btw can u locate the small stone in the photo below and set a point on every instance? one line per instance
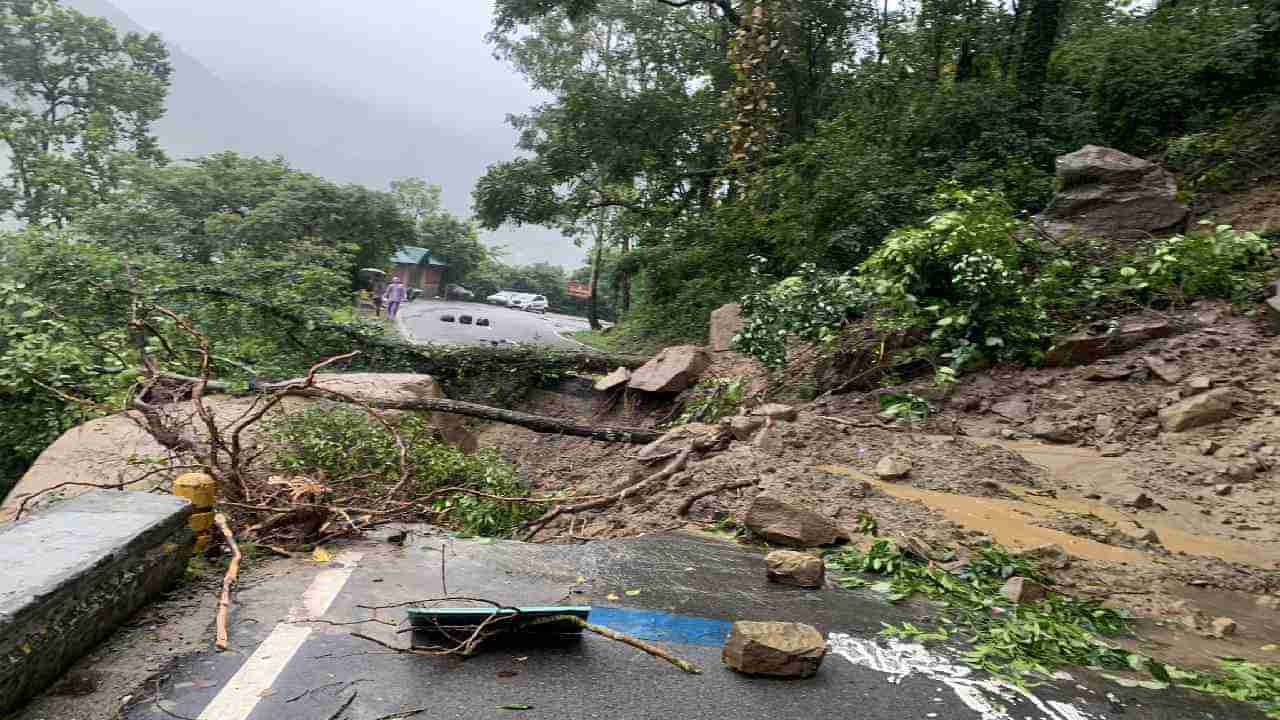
(1047, 430)
(1143, 536)
(777, 649)
(893, 467)
(1208, 447)
(1197, 410)
(1241, 472)
(1015, 410)
(789, 567)
(1020, 590)
(1199, 383)
(1222, 490)
(1103, 425)
(744, 427)
(1270, 602)
(1222, 627)
(1113, 449)
(1166, 371)
(777, 411)
(1139, 500)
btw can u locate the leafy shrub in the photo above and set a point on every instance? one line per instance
(342, 444)
(811, 307)
(713, 398)
(959, 273)
(1214, 262)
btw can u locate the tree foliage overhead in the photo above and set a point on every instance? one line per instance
(805, 132)
(77, 102)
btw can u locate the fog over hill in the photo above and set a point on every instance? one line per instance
(356, 92)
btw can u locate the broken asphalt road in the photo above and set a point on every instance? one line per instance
(689, 589)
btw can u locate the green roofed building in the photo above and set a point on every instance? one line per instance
(418, 270)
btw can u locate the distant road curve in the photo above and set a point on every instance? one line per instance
(420, 322)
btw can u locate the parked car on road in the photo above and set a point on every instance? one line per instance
(501, 298)
(518, 300)
(457, 292)
(537, 305)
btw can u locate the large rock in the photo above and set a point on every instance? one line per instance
(783, 523)
(789, 567)
(778, 649)
(1084, 348)
(672, 370)
(726, 322)
(108, 450)
(1197, 410)
(617, 378)
(1107, 193)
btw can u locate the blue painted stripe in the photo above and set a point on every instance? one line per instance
(662, 626)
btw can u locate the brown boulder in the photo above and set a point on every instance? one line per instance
(1203, 409)
(617, 378)
(1015, 409)
(1107, 193)
(777, 649)
(789, 567)
(780, 522)
(726, 322)
(1083, 348)
(672, 370)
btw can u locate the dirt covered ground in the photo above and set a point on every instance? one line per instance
(1179, 528)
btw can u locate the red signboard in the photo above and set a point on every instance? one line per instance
(579, 290)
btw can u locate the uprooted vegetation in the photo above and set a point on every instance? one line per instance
(1029, 633)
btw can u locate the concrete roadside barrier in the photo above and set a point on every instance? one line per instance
(74, 571)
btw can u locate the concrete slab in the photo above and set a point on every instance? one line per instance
(74, 571)
(678, 590)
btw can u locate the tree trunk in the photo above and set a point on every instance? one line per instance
(624, 282)
(593, 312)
(1037, 46)
(537, 423)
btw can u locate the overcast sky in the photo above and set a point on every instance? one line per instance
(421, 66)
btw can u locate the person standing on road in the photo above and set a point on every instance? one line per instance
(393, 297)
(378, 291)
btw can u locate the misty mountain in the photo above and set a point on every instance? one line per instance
(334, 132)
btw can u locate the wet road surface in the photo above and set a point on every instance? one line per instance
(689, 589)
(421, 322)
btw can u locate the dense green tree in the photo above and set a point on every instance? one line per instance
(219, 205)
(78, 105)
(450, 238)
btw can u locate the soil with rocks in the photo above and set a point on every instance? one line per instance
(1074, 464)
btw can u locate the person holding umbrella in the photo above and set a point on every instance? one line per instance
(394, 295)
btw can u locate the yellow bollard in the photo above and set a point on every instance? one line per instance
(201, 490)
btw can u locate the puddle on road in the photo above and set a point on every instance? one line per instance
(1008, 522)
(1012, 522)
(1177, 528)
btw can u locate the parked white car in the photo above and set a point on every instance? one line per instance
(501, 298)
(518, 301)
(537, 305)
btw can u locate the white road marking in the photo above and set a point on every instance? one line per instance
(243, 691)
(990, 699)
